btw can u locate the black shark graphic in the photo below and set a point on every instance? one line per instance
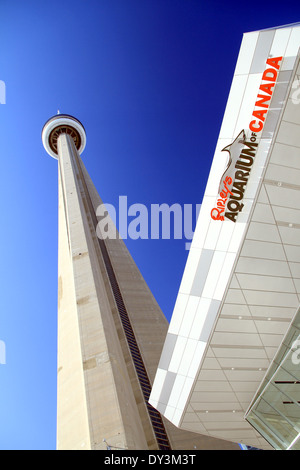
(234, 149)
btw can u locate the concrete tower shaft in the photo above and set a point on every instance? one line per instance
(110, 327)
(103, 383)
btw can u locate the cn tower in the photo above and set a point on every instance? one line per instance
(110, 328)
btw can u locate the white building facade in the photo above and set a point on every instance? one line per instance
(240, 291)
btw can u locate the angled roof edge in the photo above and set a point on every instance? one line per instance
(291, 25)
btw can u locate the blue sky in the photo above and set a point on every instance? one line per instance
(149, 79)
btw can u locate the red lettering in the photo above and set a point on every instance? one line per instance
(255, 129)
(255, 126)
(274, 62)
(269, 75)
(260, 114)
(261, 102)
(216, 214)
(267, 88)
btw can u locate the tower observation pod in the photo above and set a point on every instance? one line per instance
(111, 330)
(63, 124)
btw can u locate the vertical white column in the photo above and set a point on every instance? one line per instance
(111, 409)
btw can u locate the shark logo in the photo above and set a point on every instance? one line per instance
(234, 150)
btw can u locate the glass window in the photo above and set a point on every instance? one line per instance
(275, 412)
